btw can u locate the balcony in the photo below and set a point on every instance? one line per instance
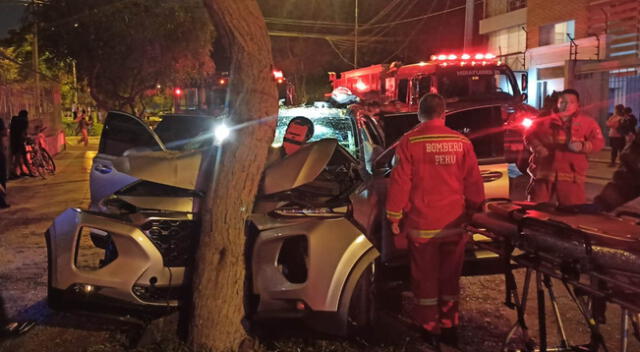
(500, 7)
(503, 14)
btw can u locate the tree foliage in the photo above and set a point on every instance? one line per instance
(123, 48)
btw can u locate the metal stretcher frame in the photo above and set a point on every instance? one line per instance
(590, 286)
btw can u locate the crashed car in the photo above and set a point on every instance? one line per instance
(315, 234)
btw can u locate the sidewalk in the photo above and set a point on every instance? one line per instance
(35, 202)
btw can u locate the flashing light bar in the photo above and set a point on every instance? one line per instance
(450, 57)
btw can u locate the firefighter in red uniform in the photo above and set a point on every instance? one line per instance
(560, 144)
(433, 186)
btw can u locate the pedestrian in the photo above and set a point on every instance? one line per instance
(625, 184)
(433, 186)
(559, 144)
(83, 128)
(17, 138)
(616, 138)
(3, 167)
(628, 125)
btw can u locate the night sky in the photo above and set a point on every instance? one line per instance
(9, 17)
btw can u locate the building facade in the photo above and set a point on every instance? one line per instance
(589, 45)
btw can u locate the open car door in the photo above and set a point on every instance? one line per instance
(122, 133)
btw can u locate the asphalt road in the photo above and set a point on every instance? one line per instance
(35, 202)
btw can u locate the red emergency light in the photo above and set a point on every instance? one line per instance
(526, 122)
(465, 59)
(277, 74)
(177, 92)
(361, 86)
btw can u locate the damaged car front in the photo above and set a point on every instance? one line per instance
(131, 247)
(309, 259)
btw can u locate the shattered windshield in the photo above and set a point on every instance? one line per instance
(327, 123)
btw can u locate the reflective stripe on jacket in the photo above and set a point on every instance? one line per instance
(435, 176)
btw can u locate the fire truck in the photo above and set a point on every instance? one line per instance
(466, 81)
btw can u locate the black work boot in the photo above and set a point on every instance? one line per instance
(450, 336)
(432, 340)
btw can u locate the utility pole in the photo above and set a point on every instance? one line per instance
(355, 34)
(468, 25)
(36, 59)
(75, 82)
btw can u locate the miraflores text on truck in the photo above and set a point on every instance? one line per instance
(466, 81)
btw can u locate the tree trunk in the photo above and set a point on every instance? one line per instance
(218, 283)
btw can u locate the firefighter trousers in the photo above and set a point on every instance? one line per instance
(436, 265)
(566, 192)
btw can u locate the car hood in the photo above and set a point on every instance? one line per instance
(300, 168)
(172, 168)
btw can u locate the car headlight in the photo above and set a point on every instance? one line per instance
(221, 132)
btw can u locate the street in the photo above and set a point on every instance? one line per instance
(35, 202)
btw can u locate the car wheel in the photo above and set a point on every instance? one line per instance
(362, 307)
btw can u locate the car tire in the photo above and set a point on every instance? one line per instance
(362, 307)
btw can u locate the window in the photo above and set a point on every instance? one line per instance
(327, 123)
(403, 89)
(508, 41)
(184, 132)
(556, 33)
(123, 132)
(476, 83)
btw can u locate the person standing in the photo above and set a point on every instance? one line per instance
(559, 144)
(17, 136)
(3, 167)
(616, 139)
(83, 128)
(629, 125)
(434, 185)
(625, 184)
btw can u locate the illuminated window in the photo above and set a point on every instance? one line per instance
(556, 33)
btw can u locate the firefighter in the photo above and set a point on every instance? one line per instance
(559, 144)
(434, 184)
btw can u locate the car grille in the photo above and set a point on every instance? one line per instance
(175, 239)
(158, 294)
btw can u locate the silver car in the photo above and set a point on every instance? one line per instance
(315, 235)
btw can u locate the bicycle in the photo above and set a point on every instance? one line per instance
(39, 161)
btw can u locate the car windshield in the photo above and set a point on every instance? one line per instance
(327, 123)
(185, 132)
(476, 82)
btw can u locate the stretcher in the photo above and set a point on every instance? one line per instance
(596, 257)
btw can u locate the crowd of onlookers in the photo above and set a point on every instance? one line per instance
(622, 126)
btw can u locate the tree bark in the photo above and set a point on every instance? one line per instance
(218, 282)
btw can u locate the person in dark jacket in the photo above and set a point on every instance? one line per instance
(3, 167)
(18, 133)
(625, 185)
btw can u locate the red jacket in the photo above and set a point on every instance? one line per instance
(549, 139)
(435, 177)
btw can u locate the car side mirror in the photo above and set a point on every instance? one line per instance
(381, 167)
